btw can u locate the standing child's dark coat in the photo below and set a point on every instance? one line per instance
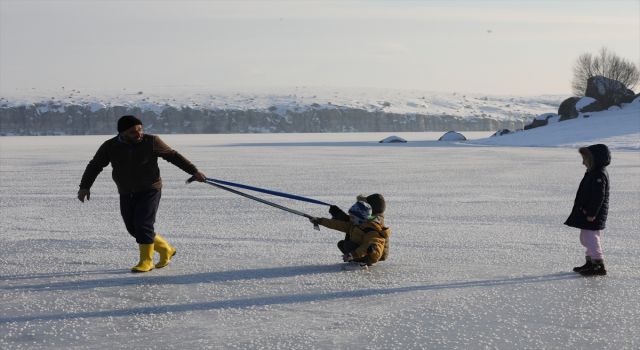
(592, 199)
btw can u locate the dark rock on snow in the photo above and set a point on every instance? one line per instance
(608, 92)
(567, 109)
(501, 132)
(541, 120)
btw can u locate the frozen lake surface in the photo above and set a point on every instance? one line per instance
(479, 256)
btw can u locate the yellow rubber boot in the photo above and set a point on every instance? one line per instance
(165, 250)
(146, 259)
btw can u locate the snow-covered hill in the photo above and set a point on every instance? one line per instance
(619, 128)
(299, 99)
(284, 110)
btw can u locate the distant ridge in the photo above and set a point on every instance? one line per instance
(302, 110)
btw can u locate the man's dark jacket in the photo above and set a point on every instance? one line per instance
(135, 165)
(592, 198)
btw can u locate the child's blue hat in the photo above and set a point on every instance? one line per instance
(361, 210)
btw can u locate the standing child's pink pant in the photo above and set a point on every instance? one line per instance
(591, 240)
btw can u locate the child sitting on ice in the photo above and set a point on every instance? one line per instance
(378, 206)
(365, 234)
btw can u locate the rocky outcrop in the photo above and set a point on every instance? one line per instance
(608, 92)
(52, 119)
(573, 106)
(567, 109)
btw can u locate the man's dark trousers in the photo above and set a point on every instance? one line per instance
(138, 211)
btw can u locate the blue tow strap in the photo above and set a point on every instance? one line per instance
(218, 184)
(271, 192)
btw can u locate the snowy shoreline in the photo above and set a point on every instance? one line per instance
(619, 129)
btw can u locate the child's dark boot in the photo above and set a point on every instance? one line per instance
(587, 265)
(347, 247)
(596, 269)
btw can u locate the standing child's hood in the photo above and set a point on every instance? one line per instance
(600, 155)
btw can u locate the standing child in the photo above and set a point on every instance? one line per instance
(590, 207)
(365, 235)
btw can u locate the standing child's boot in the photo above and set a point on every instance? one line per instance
(587, 265)
(596, 269)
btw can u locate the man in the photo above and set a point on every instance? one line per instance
(134, 158)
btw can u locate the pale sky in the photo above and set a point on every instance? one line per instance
(493, 47)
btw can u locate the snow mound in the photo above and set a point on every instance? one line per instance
(393, 139)
(452, 136)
